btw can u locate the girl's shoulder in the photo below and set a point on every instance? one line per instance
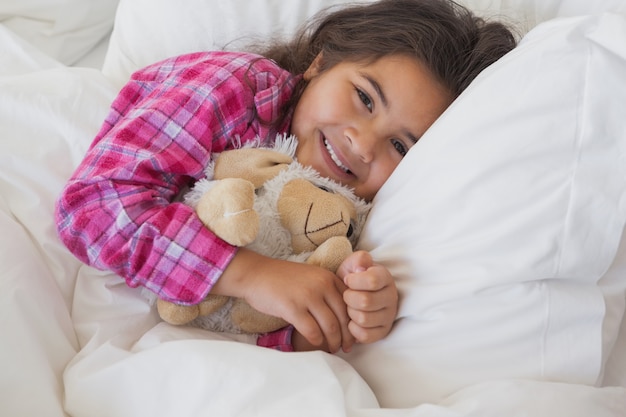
(212, 62)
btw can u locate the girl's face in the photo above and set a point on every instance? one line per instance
(355, 121)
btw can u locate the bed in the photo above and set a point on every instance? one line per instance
(504, 227)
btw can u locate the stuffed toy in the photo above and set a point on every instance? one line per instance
(263, 199)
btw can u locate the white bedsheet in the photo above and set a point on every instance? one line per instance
(78, 342)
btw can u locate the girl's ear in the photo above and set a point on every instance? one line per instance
(314, 68)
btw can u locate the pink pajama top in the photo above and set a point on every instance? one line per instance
(117, 212)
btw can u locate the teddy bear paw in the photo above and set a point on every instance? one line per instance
(175, 313)
(330, 254)
(249, 320)
(227, 209)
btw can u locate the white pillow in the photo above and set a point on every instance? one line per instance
(64, 29)
(501, 223)
(147, 31)
(529, 13)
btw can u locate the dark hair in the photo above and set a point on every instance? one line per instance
(453, 43)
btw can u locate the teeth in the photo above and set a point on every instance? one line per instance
(334, 157)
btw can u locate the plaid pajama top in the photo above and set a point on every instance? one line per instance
(117, 211)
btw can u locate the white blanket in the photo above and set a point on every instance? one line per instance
(78, 342)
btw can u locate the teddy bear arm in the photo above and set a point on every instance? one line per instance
(176, 314)
(211, 304)
(253, 321)
(331, 253)
(227, 209)
(179, 314)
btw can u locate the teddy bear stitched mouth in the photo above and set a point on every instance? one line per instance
(308, 233)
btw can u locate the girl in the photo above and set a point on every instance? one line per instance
(358, 87)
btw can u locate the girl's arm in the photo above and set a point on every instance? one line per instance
(116, 212)
(308, 297)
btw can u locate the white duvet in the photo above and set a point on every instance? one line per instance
(529, 326)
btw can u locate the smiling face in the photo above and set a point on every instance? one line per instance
(356, 121)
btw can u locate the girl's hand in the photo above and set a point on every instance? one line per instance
(371, 297)
(308, 297)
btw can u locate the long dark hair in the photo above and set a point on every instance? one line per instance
(453, 43)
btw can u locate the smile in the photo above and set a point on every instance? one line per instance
(334, 157)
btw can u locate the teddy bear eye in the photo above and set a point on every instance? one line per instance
(321, 187)
(350, 231)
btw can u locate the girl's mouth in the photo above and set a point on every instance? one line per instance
(335, 158)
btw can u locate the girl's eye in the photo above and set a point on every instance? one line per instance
(400, 147)
(365, 99)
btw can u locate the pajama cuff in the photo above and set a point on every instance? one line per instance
(279, 339)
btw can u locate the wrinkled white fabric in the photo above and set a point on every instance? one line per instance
(476, 331)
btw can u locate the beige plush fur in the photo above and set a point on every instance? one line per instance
(262, 198)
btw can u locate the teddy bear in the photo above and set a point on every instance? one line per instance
(261, 198)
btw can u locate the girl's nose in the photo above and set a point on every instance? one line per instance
(362, 142)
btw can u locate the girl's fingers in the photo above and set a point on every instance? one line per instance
(323, 329)
(325, 323)
(368, 320)
(334, 323)
(374, 278)
(367, 335)
(356, 262)
(330, 328)
(370, 301)
(308, 327)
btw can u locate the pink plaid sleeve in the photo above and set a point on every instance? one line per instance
(116, 212)
(279, 340)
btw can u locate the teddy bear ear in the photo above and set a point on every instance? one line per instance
(352, 233)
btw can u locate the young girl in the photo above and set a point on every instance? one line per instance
(358, 87)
